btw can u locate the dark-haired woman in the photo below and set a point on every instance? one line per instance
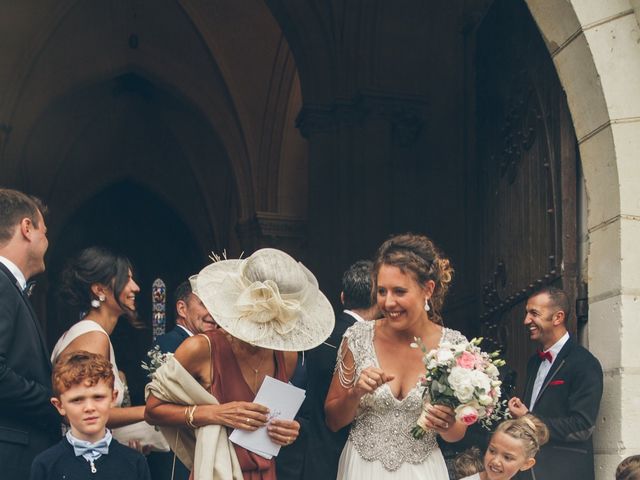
(100, 283)
(375, 386)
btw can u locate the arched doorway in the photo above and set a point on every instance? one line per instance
(130, 219)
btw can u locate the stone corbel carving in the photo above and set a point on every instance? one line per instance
(267, 229)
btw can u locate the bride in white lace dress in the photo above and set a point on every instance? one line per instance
(375, 385)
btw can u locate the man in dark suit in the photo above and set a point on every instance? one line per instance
(192, 317)
(564, 389)
(28, 422)
(324, 446)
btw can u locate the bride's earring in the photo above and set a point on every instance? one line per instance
(426, 305)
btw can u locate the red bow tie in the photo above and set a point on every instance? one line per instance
(545, 356)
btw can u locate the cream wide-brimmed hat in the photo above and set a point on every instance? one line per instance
(268, 300)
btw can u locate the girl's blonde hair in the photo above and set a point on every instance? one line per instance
(529, 429)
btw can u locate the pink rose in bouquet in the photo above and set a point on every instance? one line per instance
(467, 414)
(466, 360)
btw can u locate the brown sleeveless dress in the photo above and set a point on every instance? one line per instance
(228, 385)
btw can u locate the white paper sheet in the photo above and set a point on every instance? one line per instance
(283, 401)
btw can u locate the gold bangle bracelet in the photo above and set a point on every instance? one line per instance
(191, 411)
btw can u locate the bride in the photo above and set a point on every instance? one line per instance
(374, 387)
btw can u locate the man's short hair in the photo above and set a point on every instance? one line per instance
(558, 297)
(80, 368)
(182, 291)
(357, 284)
(14, 206)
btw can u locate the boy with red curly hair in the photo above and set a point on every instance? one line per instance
(83, 393)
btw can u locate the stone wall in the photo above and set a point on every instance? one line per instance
(596, 48)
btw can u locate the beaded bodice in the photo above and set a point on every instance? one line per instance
(382, 427)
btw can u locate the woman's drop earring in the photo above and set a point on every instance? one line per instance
(426, 305)
(95, 303)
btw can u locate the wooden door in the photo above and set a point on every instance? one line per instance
(526, 160)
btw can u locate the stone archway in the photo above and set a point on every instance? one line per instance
(596, 50)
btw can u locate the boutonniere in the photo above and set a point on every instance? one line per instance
(553, 383)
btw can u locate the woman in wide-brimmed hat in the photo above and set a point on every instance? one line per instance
(268, 307)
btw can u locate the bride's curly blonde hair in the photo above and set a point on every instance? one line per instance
(418, 255)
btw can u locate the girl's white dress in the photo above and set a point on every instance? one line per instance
(380, 444)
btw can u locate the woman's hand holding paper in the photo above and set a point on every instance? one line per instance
(283, 432)
(243, 415)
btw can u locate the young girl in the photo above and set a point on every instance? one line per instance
(512, 448)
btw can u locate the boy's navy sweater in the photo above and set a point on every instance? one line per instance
(60, 463)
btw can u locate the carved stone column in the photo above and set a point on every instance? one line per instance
(360, 150)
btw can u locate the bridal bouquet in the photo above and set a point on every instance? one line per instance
(463, 377)
(156, 359)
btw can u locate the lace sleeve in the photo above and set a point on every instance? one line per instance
(454, 336)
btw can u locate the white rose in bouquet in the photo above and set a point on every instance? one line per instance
(461, 382)
(444, 355)
(480, 380)
(492, 371)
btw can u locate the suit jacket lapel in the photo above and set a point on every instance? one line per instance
(557, 366)
(532, 370)
(29, 307)
(182, 333)
(11, 277)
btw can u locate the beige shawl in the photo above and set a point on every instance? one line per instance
(207, 448)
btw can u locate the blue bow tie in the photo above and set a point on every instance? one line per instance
(82, 447)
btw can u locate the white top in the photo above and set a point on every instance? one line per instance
(80, 328)
(475, 476)
(545, 367)
(13, 268)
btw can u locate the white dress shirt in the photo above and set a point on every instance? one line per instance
(185, 329)
(13, 268)
(545, 367)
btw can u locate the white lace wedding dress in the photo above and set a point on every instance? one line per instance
(380, 444)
